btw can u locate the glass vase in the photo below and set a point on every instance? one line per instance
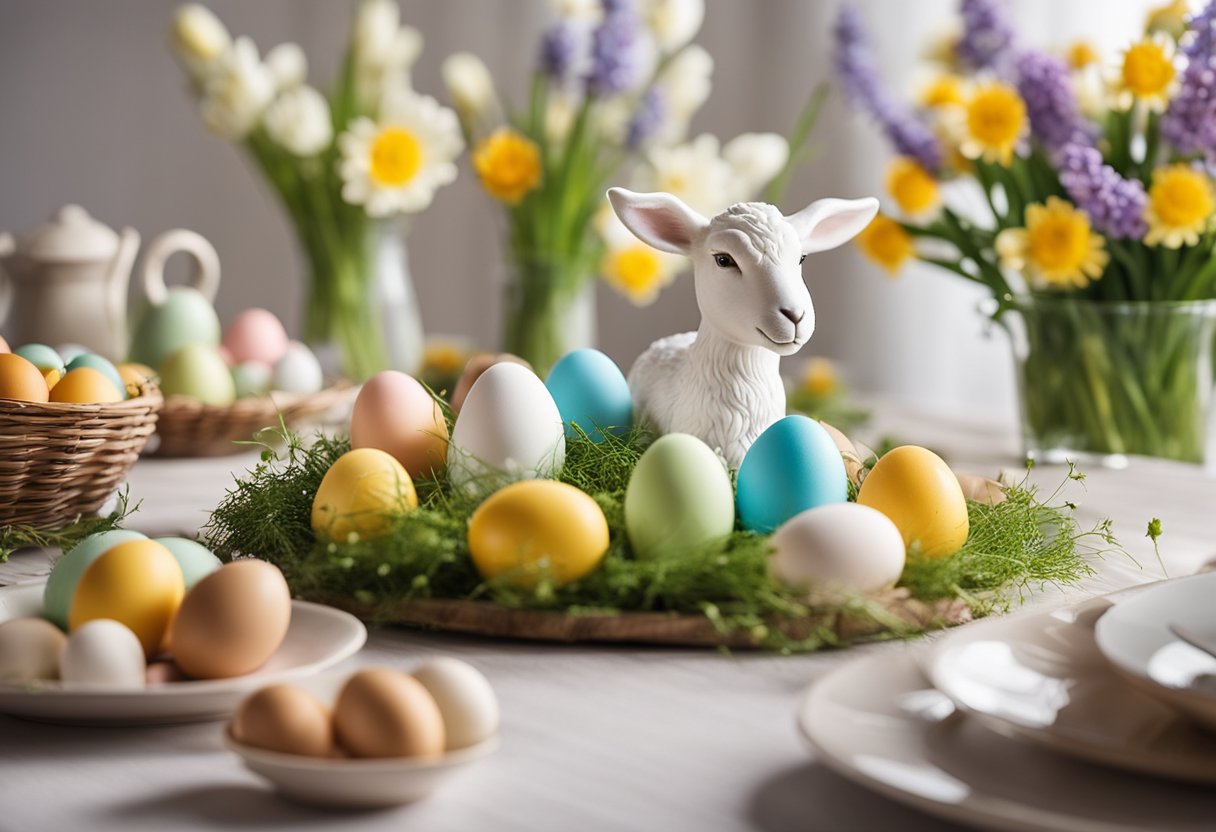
(1101, 380)
(549, 309)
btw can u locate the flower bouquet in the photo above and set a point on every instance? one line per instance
(348, 168)
(1095, 237)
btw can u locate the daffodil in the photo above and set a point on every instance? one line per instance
(1169, 18)
(945, 90)
(819, 377)
(1080, 54)
(237, 90)
(886, 243)
(508, 164)
(1057, 248)
(1180, 204)
(912, 187)
(299, 121)
(994, 121)
(633, 268)
(1146, 74)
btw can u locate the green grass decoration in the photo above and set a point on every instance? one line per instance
(1020, 544)
(14, 538)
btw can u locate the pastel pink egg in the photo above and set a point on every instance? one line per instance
(256, 335)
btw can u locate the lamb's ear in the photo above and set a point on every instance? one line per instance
(827, 223)
(658, 219)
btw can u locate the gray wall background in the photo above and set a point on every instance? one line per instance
(93, 109)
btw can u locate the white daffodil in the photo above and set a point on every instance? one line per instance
(471, 87)
(384, 52)
(288, 65)
(396, 165)
(673, 23)
(685, 86)
(199, 39)
(299, 121)
(237, 91)
(560, 112)
(694, 171)
(756, 159)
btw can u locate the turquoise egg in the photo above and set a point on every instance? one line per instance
(195, 559)
(679, 497)
(591, 392)
(184, 318)
(794, 465)
(61, 585)
(100, 364)
(41, 356)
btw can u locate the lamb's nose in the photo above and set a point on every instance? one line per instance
(795, 317)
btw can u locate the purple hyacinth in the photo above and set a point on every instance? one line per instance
(1115, 205)
(647, 119)
(1046, 87)
(857, 73)
(1190, 122)
(988, 38)
(558, 51)
(614, 60)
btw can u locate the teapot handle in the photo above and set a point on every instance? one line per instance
(7, 246)
(206, 276)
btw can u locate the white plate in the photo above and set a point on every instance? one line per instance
(1040, 676)
(1135, 637)
(317, 638)
(878, 722)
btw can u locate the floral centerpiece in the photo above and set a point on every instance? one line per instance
(348, 168)
(1096, 241)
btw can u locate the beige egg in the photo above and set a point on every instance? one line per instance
(394, 413)
(285, 719)
(385, 713)
(981, 489)
(853, 462)
(232, 621)
(30, 649)
(477, 365)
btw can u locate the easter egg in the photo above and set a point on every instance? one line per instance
(921, 496)
(185, 317)
(41, 356)
(508, 429)
(256, 335)
(68, 352)
(103, 653)
(137, 583)
(286, 719)
(473, 369)
(100, 364)
(195, 559)
(197, 371)
(538, 529)
(465, 699)
(854, 462)
(384, 713)
(51, 377)
(794, 465)
(135, 377)
(679, 497)
(85, 385)
(251, 378)
(591, 393)
(29, 650)
(65, 574)
(21, 380)
(838, 547)
(362, 493)
(4, 347)
(298, 371)
(396, 414)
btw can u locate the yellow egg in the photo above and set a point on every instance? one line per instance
(85, 385)
(135, 376)
(362, 493)
(137, 583)
(21, 380)
(921, 496)
(538, 529)
(51, 377)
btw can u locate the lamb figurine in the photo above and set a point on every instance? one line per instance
(722, 383)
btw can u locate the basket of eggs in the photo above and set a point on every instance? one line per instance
(71, 427)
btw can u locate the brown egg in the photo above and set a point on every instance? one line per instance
(385, 713)
(163, 673)
(285, 719)
(232, 621)
(477, 365)
(981, 489)
(395, 414)
(84, 385)
(21, 380)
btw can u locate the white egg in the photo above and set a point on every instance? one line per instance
(29, 650)
(465, 699)
(843, 547)
(298, 371)
(509, 428)
(105, 653)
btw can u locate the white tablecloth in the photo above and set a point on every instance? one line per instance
(594, 738)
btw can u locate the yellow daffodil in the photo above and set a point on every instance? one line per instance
(1179, 208)
(1058, 247)
(1169, 18)
(912, 187)
(994, 123)
(886, 243)
(1080, 54)
(820, 378)
(943, 91)
(508, 164)
(444, 357)
(636, 271)
(1146, 74)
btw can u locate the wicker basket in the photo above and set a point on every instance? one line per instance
(59, 461)
(189, 428)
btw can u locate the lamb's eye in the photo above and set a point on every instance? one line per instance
(801, 260)
(725, 261)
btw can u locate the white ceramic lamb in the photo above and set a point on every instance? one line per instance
(722, 383)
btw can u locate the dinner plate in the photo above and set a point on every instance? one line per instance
(318, 637)
(879, 722)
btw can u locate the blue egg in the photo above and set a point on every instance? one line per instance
(794, 465)
(591, 392)
(101, 365)
(41, 356)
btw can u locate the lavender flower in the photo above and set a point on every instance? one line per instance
(987, 40)
(1043, 82)
(559, 50)
(857, 73)
(1115, 205)
(647, 119)
(614, 62)
(1190, 122)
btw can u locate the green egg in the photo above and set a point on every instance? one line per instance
(41, 356)
(679, 497)
(184, 318)
(195, 559)
(198, 371)
(252, 378)
(61, 585)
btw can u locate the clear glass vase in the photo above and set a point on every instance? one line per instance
(1100, 381)
(549, 309)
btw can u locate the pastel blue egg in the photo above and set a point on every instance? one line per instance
(102, 365)
(794, 465)
(195, 559)
(67, 352)
(65, 574)
(591, 392)
(41, 356)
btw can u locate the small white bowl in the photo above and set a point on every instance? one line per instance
(357, 783)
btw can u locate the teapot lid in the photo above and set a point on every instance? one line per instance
(70, 235)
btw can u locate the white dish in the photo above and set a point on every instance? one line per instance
(877, 721)
(1039, 676)
(1134, 636)
(318, 637)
